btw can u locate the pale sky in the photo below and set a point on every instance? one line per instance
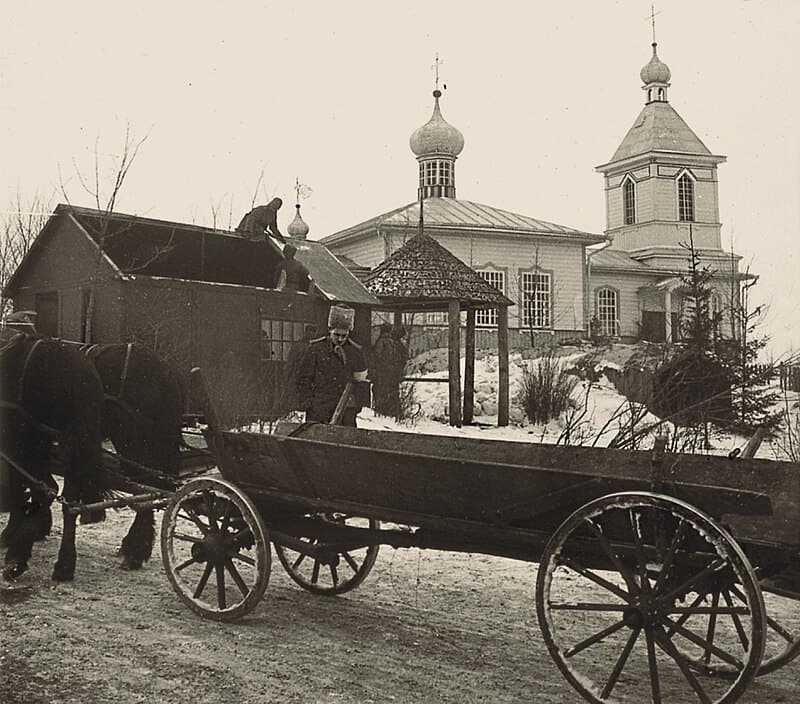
(331, 91)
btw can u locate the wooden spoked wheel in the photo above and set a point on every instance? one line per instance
(330, 570)
(783, 638)
(620, 596)
(215, 549)
(781, 635)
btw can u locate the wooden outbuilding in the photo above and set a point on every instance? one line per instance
(423, 276)
(198, 296)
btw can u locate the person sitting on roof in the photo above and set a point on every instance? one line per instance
(20, 321)
(262, 222)
(290, 274)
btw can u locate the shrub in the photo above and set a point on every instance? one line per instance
(546, 389)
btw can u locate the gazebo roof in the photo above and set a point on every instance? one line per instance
(423, 273)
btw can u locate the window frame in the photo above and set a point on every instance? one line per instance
(629, 200)
(283, 343)
(529, 306)
(487, 317)
(607, 330)
(685, 204)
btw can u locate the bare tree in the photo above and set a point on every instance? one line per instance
(19, 226)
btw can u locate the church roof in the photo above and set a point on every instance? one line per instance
(659, 128)
(453, 214)
(423, 271)
(616, 259)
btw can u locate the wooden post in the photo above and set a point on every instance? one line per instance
(454, 344)
(502, 366)
(469, 368)
(398, 318)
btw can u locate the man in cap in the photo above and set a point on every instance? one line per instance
(327, 366)
(262, 221)
(20, 321)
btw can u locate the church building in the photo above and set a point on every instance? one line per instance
(661, 193)
(539, 265)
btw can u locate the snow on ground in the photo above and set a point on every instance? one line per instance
(600, 411)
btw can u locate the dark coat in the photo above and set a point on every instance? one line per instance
(297, 276)
(322, 377)
(261, 221)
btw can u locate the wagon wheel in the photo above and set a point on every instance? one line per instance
(335, 571)
(211, 532)
(619, 596)
(781, 639)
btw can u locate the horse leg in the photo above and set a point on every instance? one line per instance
(64, 569)
(18, 500)
(137, 545)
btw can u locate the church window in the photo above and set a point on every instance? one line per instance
(649, 94)
(430, 173)
(488, 316)
(608, 312)
(445, 173)
(629, 200)
(536, 300)
(685, 198)
(661, 94)
(421, 175)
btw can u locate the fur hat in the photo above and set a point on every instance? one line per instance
(21, 319)
(341, 318)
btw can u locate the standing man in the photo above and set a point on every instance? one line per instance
(382, 364)
(326, 368)
(262, 222)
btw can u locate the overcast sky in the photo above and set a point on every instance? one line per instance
(330, 92)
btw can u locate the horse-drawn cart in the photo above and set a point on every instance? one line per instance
(661, 576)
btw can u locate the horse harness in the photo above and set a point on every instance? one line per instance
(92, 352)
(17, 404)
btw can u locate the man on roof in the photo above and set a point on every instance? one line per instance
(290, 274)
(327, 366)
(262, 222)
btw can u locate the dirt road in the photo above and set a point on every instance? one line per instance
(424, 627)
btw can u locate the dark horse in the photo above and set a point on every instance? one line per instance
(49, 394)
(143, 414)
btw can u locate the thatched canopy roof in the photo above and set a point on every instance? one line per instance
(424, 274)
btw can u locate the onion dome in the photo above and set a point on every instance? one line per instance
(437, 136)
(656, 71)
(298, 227)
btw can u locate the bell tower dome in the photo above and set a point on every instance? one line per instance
(437, 145)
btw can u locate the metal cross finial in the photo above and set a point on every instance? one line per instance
(435, 68)
(653, 14)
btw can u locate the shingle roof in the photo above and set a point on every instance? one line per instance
(423, 271)
(659, 128)
(450, 213)
(205, 254)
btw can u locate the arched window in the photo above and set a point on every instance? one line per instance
(661, 94)
(649, 94)
(685, 198)
(629, 200)
(608, 312)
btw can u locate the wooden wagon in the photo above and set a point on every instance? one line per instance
(662, 577)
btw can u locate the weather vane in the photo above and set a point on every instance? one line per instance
(301, 190)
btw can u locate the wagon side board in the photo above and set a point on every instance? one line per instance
(502, 483)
